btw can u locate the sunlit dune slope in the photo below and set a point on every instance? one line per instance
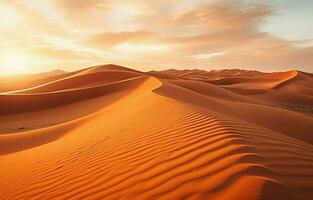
(17, 82)
(150, 137)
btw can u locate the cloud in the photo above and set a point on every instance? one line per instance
(57, 54)
(185, 33)
(223, 15)
(79, 5)
(108, 40)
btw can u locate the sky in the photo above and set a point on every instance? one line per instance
(43, 35)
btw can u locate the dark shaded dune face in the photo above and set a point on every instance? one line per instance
(15, 142)
(262, 81)
(247, 91)
(89, 79)
(302, 83)
(8, 84)
(207, 89)
(32, 102)
(239, 81)
(272, 190)
(282, 89)
(281, 98)
(38, 119)
(296, 125)
(210, 75)
(163, 76)
(22, 82)
(108, 132)
(295, 93)
(265, 107)
(74, 87)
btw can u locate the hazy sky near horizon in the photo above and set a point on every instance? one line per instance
(42, 35)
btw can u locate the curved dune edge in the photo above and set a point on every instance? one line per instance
(39, 101)
(242, 83)
(293, 75)
(80, 81)
(159, 141)
(300, 128)
(25, 82)
(14, 142)
(265, 83)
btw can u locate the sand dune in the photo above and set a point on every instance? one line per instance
(108, 132)
(18, 82)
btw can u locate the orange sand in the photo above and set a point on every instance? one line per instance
(109, 132)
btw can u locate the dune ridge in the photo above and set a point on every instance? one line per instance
(159, 139)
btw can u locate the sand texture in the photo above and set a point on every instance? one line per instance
(109, 132)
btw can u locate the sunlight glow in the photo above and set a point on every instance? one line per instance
(14, 64)
(43, 35)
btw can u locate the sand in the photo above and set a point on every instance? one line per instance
(109, 132)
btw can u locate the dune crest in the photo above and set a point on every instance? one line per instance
(124, 134)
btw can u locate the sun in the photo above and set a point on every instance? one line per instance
(13, 63)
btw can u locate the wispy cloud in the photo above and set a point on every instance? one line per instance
(149, 34)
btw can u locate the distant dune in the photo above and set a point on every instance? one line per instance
(109, 132)
(22, 81)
